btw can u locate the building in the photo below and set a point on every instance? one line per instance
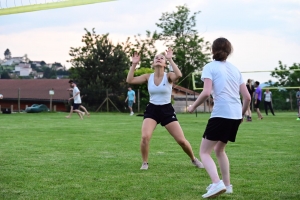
(25, 92)
(12, 61)
(184, 97)
(23, 69)
(33, 91)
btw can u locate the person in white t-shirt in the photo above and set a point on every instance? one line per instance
(268, 101)
(77, 99)
(160, 109)
(224, 81)
(71, 102)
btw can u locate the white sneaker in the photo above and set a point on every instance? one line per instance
(197, 163)
(215, 189)
(144, 166)
(131, 113)
(229, 189)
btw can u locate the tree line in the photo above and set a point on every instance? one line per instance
(100, 65)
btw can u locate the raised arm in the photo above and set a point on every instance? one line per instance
(131, 79)
(176, 74)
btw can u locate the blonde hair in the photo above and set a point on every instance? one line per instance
(249, 83)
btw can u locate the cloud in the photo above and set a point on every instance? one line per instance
(254, 51)
(42, 44)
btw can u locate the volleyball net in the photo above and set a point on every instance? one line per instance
(264, 75)
(8, 7)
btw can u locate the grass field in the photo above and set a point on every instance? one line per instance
(46, 156)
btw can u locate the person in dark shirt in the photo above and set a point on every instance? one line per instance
(251, 90)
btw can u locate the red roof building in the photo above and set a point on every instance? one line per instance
(34, 91)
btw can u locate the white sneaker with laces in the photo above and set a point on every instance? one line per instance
(229, 189)
(131, 113)
(144, 166)
(215, 189)
(197, 163)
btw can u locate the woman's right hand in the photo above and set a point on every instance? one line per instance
(190, 109)
(135, 58)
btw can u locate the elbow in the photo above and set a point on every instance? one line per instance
(205, 94)
(128, 80)
(247, 98)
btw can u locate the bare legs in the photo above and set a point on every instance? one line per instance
(71, 111)
(85, 110)
(79, 113)
(173, 128)
(258, 113)
(130, 108)
(206, 148)
(205, 154)
(249, 113)
(147, 130)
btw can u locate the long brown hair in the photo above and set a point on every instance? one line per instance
(221, 49)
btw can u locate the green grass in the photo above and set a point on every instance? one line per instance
(47, 6)
(46, 156)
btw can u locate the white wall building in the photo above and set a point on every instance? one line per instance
(24, 69)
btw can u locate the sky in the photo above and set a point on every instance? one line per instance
(261, 32)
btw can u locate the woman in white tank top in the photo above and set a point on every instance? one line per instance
(160, 110)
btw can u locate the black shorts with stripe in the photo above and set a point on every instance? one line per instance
(162, 114)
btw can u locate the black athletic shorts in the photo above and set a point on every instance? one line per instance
(222, 129)
(256, 105)
(163, 114)
(76, 106)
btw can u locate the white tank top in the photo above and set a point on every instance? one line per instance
(161, 94)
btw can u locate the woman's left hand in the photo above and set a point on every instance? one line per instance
(169, 53)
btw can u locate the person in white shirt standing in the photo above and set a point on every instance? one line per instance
(77, 99)
(160, 109)
(268, 101)
(224, 81)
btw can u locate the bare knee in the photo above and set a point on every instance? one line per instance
(219, 150)
(145, 140)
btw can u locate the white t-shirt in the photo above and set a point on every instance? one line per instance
(226, 81)
(268, 96)
(161, 94)
(77, 98)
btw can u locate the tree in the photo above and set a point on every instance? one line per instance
(7, 53)
(178, 32)
(286, 77)
(42, 63)
(49, 73)
(99, 65)
(25, 58)
(144, 46)
(5, 75)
